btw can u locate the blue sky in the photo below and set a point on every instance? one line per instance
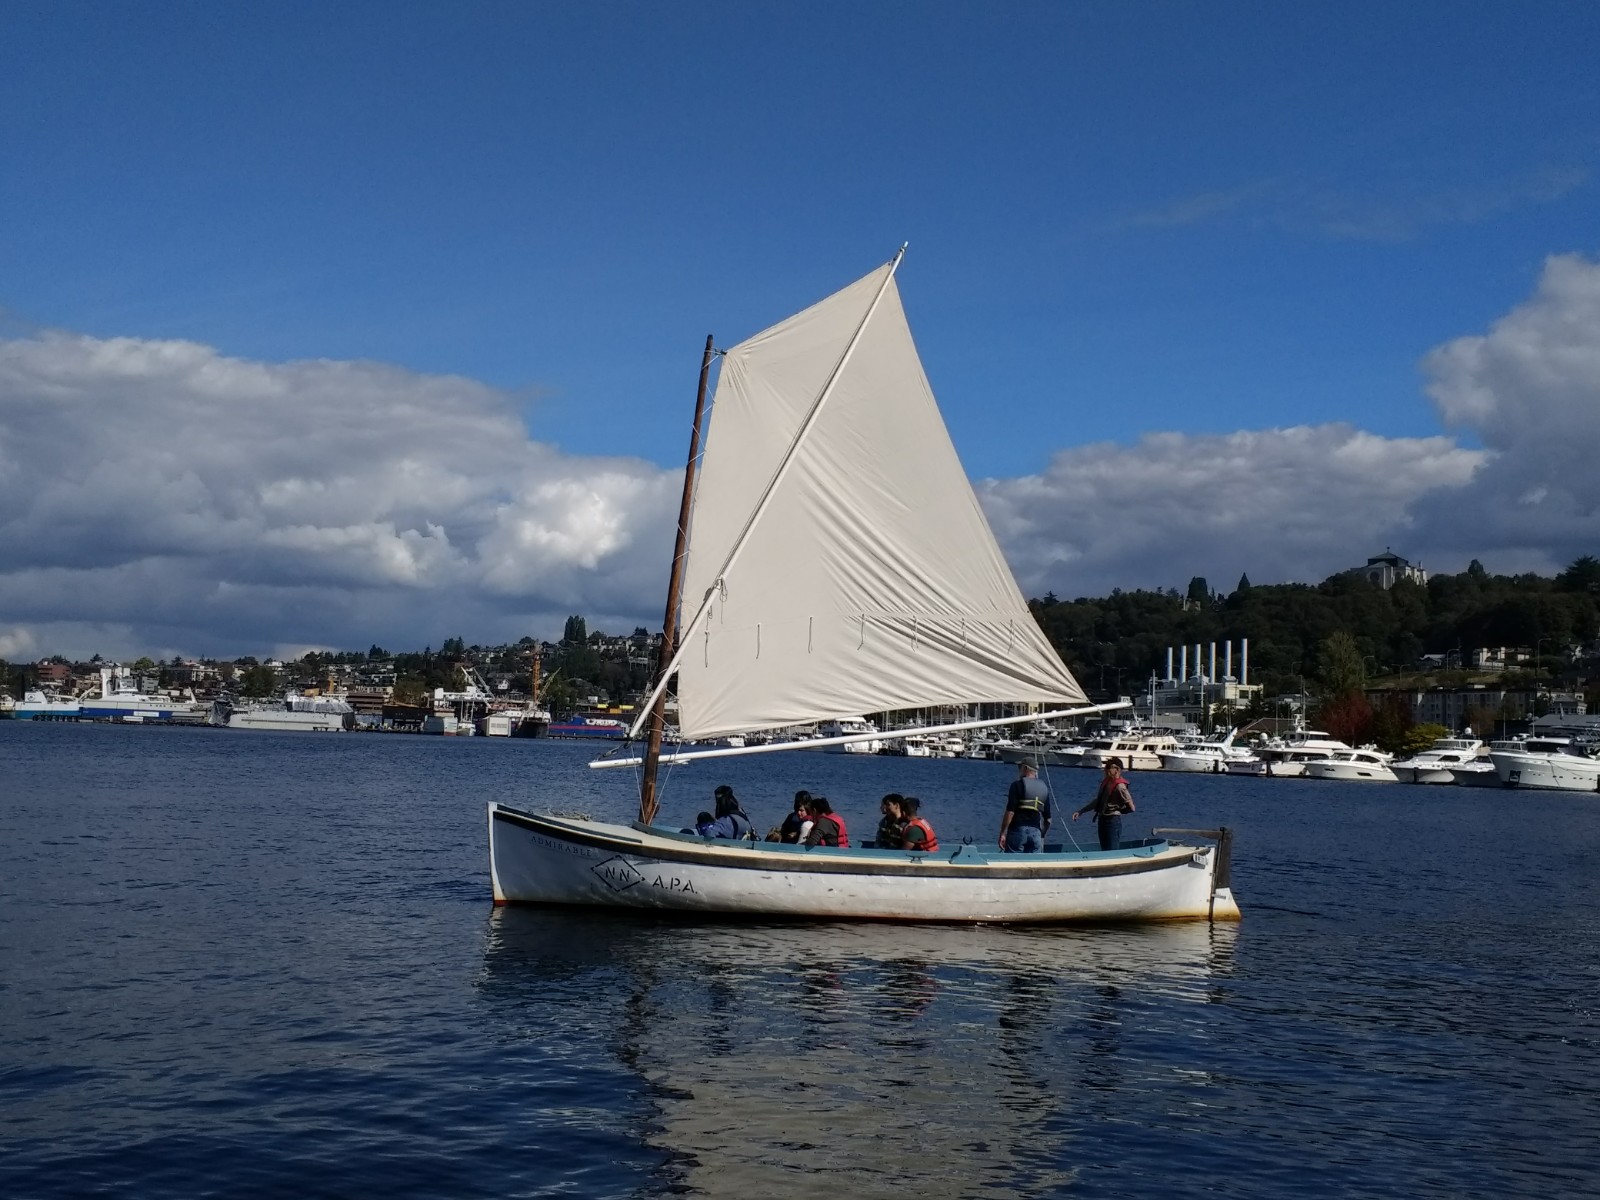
(1124, 219)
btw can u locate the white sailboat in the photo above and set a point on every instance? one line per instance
(837, 561)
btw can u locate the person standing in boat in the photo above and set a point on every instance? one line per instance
(1028, 813)
(827, 826)
(918, 834)
(1111, 800)
(891, 829)
(730, 820)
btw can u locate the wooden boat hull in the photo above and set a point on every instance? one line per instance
(573, 860)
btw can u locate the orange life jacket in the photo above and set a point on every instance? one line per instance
(838, 821)
(930, 839)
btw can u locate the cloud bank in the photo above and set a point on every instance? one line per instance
(160, 497)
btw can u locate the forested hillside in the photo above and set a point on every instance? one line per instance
(1122, 638)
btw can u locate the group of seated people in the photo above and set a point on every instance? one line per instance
(814, 823)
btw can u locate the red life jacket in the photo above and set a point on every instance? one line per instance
(1108, 801)
(844, 837)
(930, 839)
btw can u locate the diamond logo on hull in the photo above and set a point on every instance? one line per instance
(617, 874)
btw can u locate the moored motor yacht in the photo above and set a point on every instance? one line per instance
(1208, 756)
(1352, 766)
(1480, 772)
(1286, 758)
(1553, 763)
(857, 727)
(1136, 751)
(1435, 764)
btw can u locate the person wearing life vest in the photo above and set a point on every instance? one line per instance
(827, 826)
(1111, 800)
(918, 834)
(1028, 813)
(730, 820)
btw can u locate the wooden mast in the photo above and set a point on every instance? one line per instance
(669, 624)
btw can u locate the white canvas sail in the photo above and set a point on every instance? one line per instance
(871, 579)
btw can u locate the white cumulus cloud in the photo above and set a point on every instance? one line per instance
(1529, 389)
(161, 493)
(1297, 503)
(158, 496)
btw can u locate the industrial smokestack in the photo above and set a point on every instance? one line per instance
(1169, 664)
(1244, 661)
(1227, 660)
(1183, 662)
(1211, 668)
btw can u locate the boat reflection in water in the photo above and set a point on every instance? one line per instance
(864, 1060)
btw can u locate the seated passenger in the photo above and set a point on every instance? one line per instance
(892, 828)
(918, 834)
(730, 820)
(827, 826)
(791, 829)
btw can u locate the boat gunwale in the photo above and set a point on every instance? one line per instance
(752, 856)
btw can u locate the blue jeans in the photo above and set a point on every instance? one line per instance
(1024, 839)
(1110, 832)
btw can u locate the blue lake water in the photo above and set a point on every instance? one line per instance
(253, 964)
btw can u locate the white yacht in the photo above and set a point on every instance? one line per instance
(1210, 756)
(1480, 772)
(1286, 758)
(1137, 750)
(850, 727)
(1435, 764)
(1352, 766)
(1043, 750)
(1555, 763)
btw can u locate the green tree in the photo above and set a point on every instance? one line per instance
(560, 695)
(411, 691)
(1582, 575)
(576, 632)
(1198, 591)
(1392, 724)
(1339, 665)
(1421, 737)
(258, 681)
